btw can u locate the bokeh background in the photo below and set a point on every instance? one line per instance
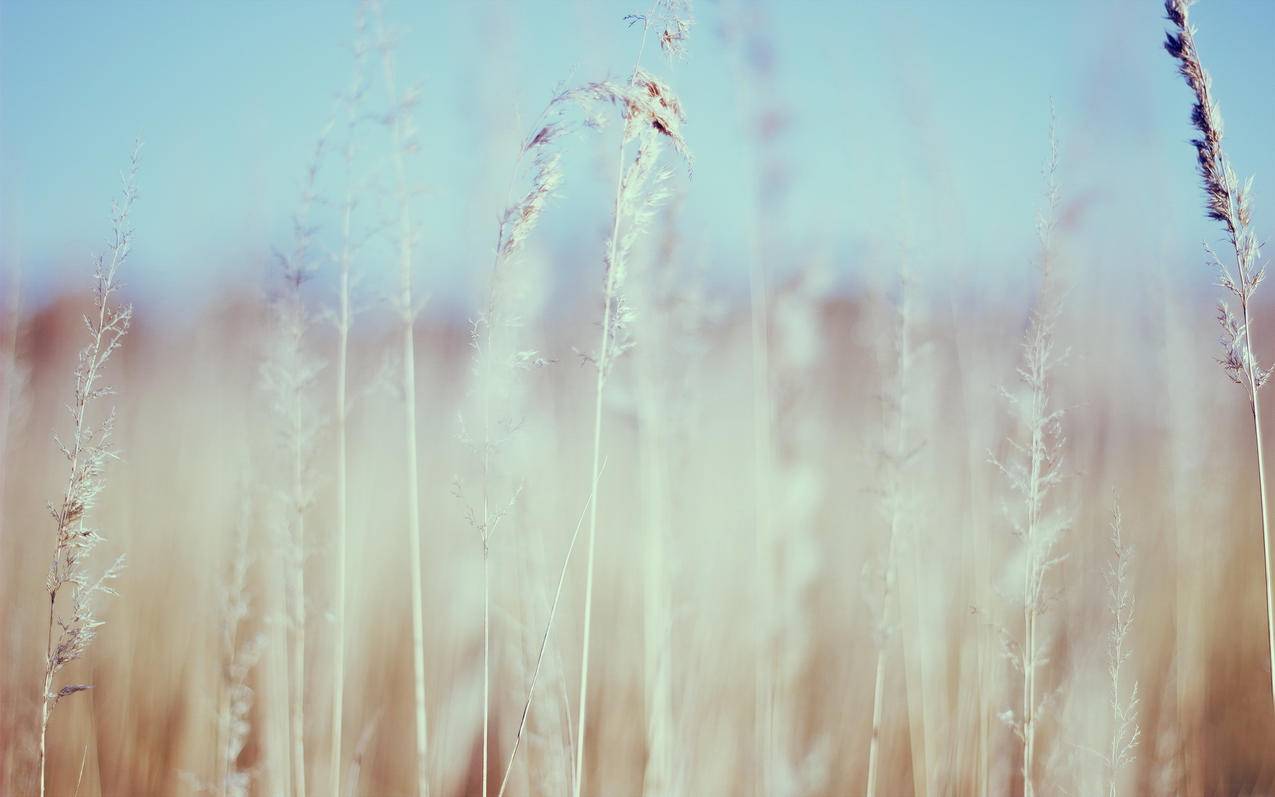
(833, 144)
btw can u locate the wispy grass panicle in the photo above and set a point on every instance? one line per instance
(522, 215)
(896, 457)
(1124, 701)
(501, 360)
(1229, 201)
(240, 652)
(1033, 470)
(652, 113)
(290, 375)
(88, 450)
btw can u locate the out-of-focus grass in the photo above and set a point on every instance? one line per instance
(1145, 417)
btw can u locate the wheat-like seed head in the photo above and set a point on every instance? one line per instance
(1226, 199)
(88, 451)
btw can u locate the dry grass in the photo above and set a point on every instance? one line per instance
(87, 451)
(1228, 201)
(794, 569)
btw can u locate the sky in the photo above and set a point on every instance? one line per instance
(916, 122)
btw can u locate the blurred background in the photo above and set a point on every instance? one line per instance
(746, 517)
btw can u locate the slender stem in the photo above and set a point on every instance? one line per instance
(1252, 380)
(492, 320)
(342, 510)
(911, 638)
(895, 486)
(758, 290)
(984, 659)
(406, 239)
(657, 644)
(299, 617)
(94, 356)
(593, 527)
(414, 527)
(1266, 526)
(544, 641)
(45, 705)
(1031, 586)
(1228, 203)
(486, 659)
(486, 529)
(875, 743)
(602, 365)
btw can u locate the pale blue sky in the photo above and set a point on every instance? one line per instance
(946, 103)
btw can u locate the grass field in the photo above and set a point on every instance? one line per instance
(629, 525)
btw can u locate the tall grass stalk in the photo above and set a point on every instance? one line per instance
(1032, 471)
(657, 609)
(1228, 201)
(1125, 731)
(610, 300)
(240, 654)
(14, 405)
(88, 451)
(344, 320)
(897, 451)
(290, 375)
(404, 143)
(544, 642)
(548, 761)
(651, 111)
(500, 361)
(763, 533)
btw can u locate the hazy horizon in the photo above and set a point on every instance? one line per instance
(897, 120)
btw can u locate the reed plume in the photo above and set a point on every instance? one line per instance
(652, 114)
(645, 101)
(1229, 201)
(88, 451)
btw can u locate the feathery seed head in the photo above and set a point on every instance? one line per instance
(675, 23)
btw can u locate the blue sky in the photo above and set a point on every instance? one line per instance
(917, 120)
